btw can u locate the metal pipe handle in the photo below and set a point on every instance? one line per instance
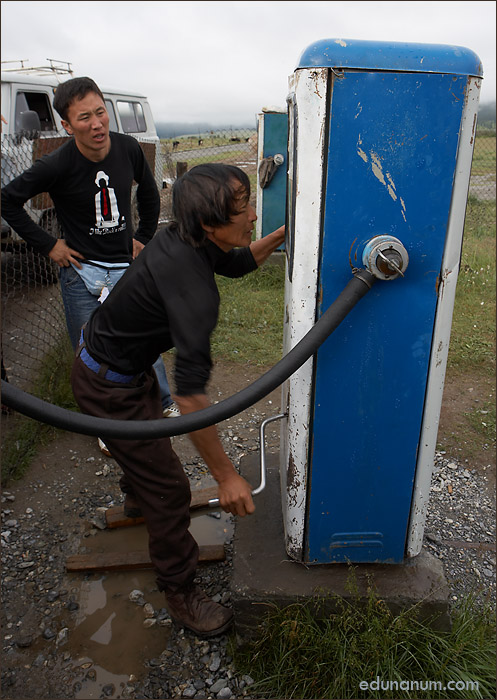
(214, 502)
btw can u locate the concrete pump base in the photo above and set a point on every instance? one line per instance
(264, 575)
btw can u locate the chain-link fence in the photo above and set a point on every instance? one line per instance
(482, 184)
(236, 147)
(32, 313)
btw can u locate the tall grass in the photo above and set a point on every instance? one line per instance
(362, 650)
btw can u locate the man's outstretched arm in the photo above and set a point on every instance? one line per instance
(235, 494)
(263, 247)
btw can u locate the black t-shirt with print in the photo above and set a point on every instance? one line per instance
(92, 200)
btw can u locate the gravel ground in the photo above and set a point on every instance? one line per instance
(47, 519)
(460, 528)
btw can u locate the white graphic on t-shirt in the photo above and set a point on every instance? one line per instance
(106, 209)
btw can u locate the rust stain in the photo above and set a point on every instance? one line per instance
(440, 282)
(315, 76)
(350, 254)
(292, 481)
(437, 285)
(473, 132)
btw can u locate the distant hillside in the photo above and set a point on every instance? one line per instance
(167, 130)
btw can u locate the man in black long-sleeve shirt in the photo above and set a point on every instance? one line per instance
(89, 179)
(167, 299)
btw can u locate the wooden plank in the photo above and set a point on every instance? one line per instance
(115, 517)
(120, 561)
(201, 497)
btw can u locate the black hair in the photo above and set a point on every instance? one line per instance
(208, 195)
(74, 89)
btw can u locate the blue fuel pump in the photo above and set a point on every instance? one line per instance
(379, 155)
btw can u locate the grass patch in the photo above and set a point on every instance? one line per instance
(482, 421)
(473, 328)
(250, 324)
(303, 651)
(25, 435)
(472, 344)
(191, 142)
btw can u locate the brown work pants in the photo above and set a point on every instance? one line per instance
(152, 471)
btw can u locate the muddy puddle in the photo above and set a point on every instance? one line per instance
(107, 642)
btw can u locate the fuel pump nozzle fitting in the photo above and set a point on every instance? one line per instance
(385, 257)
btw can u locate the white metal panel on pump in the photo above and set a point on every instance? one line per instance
(307, 104)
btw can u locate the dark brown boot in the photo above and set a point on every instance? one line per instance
(131, 507)
(192, 608)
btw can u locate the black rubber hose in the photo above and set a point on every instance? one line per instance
(45, 412)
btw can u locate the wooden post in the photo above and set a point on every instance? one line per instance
(181, 168)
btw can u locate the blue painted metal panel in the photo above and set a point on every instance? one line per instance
(392, 151)
(274, 195)
(385, 55)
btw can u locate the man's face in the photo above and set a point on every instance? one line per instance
(238, 233)
(88, 122)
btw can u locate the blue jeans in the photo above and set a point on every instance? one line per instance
(79, 305)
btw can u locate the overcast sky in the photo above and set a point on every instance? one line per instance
(221, 62)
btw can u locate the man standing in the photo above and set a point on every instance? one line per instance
(89, 179)
(169, 298)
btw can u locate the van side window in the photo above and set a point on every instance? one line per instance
(38, 102)
(112, 116)
(132, 117)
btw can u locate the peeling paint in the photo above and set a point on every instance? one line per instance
(376, 168)
(361, 153)
(384, 177)
(391, 187)
(341, 42)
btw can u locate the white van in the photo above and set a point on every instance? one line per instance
(31, 127)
